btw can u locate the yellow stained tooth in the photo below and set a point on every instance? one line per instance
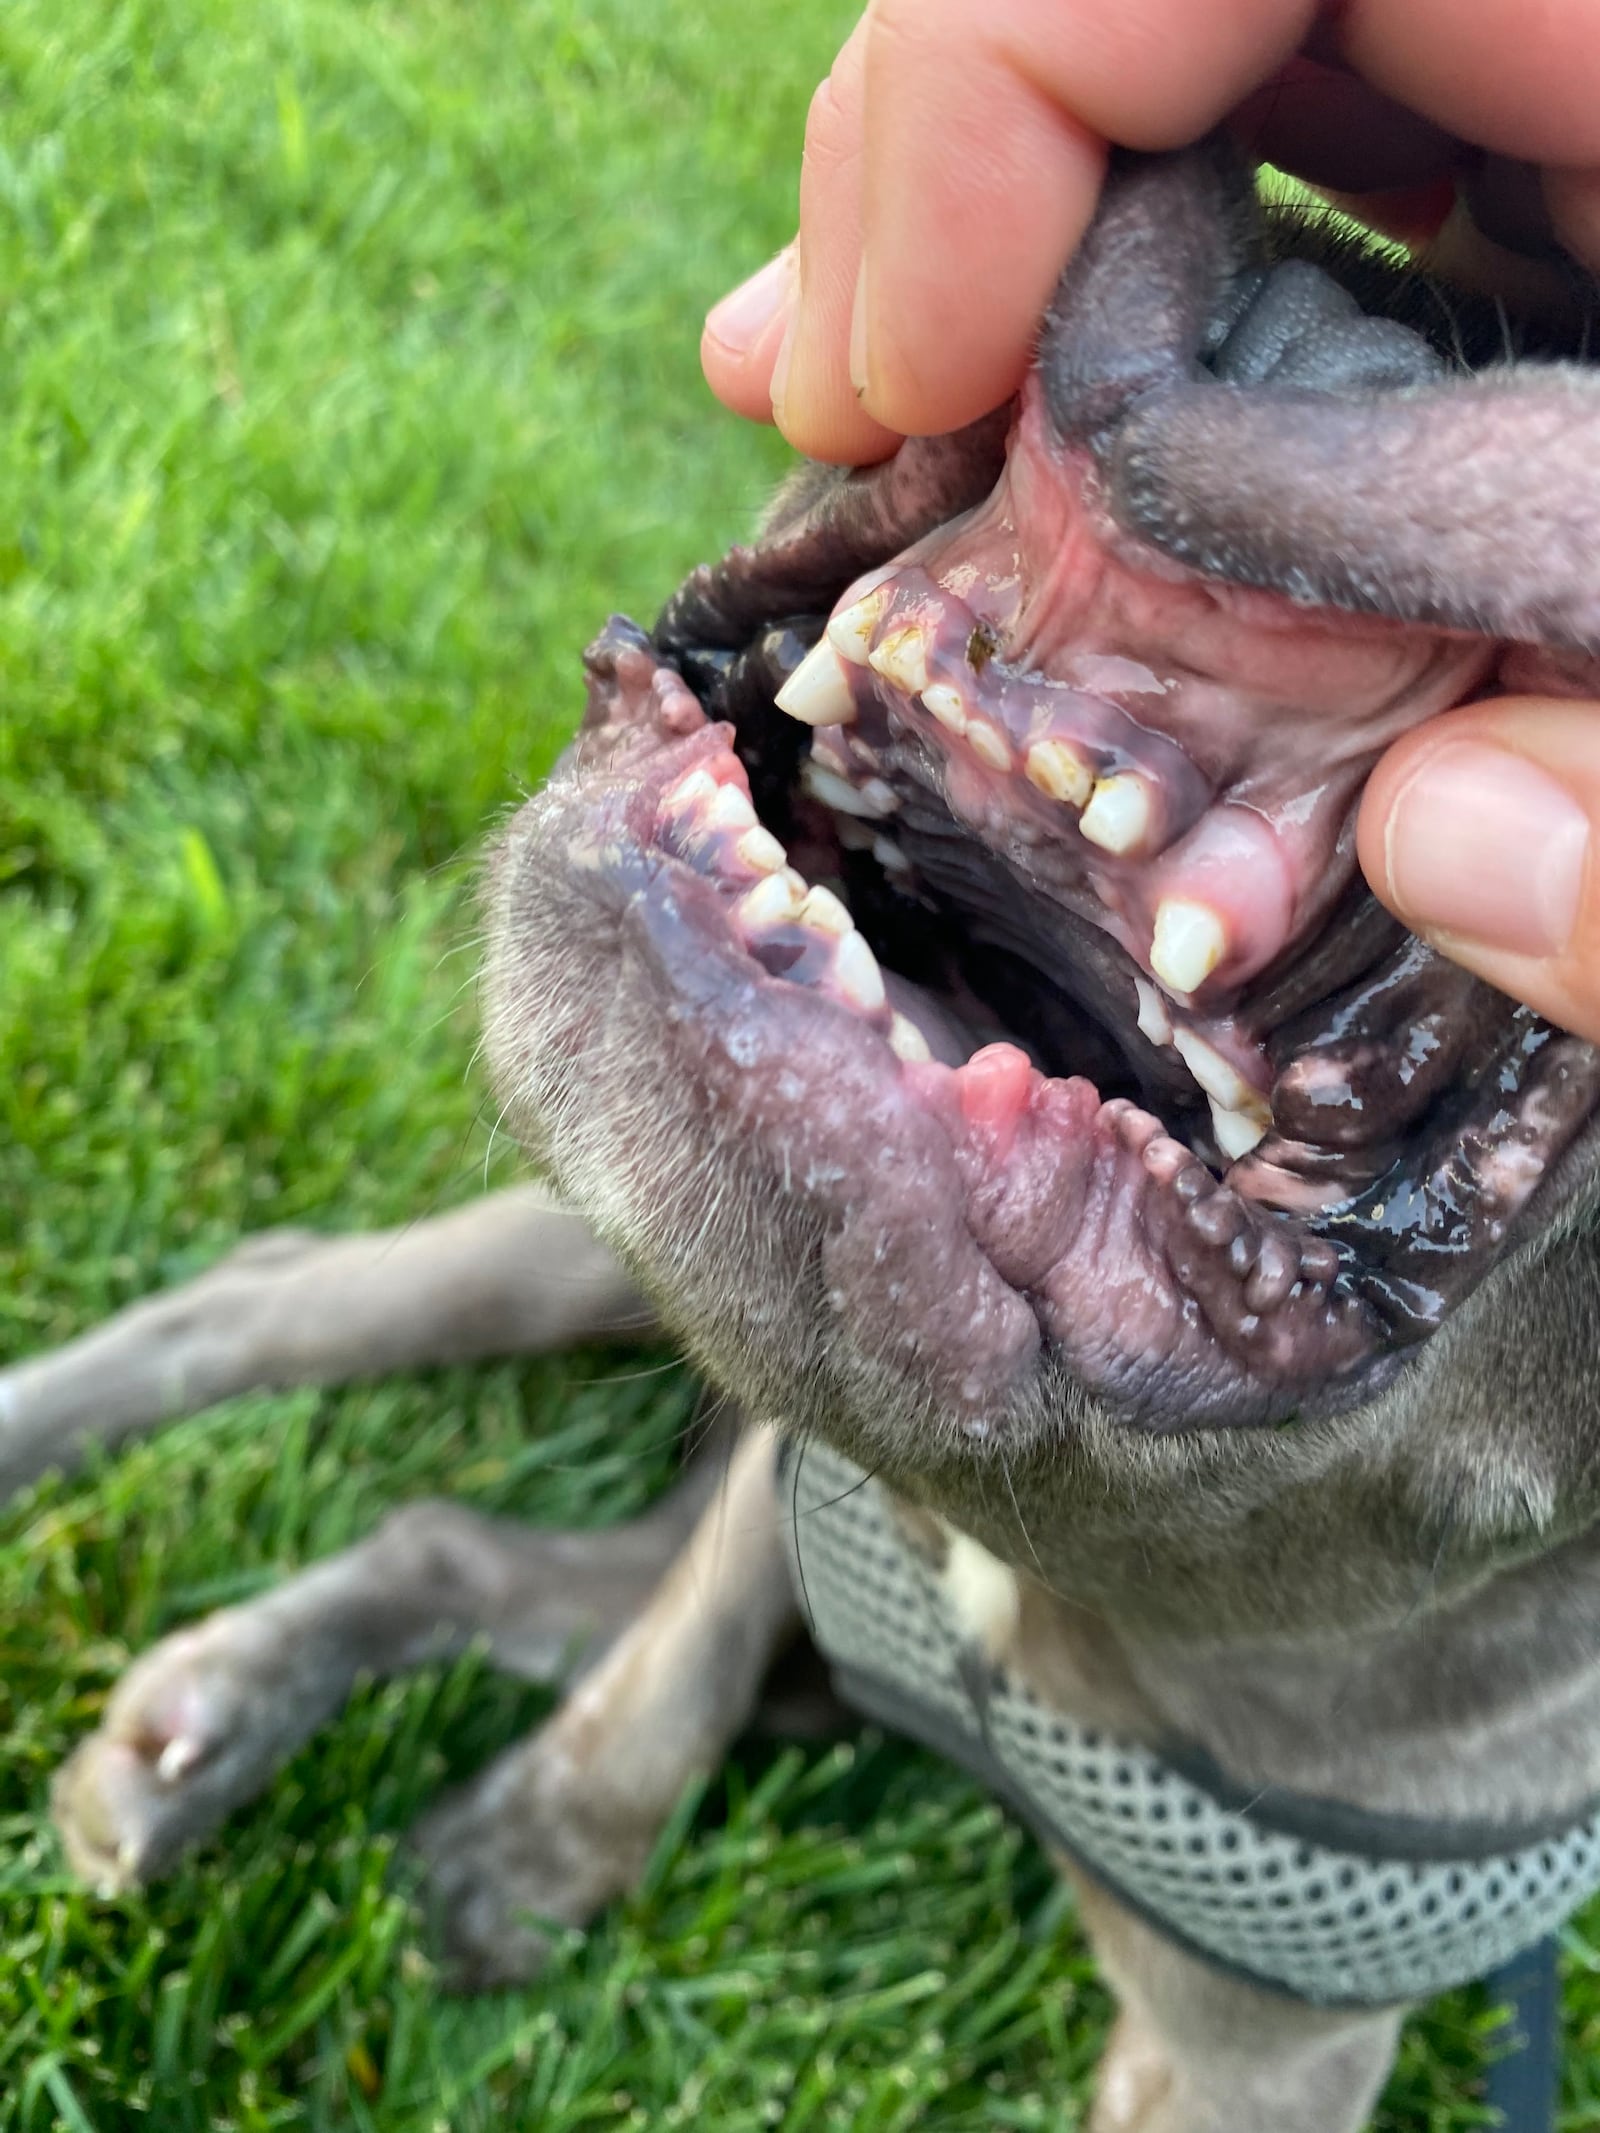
(823, 910)
(758, 848)
(946, 706)
(1117, 817)
(1059, 772)
(1188, 943)
(850, 631)
(1218, 1076)
(856, 973)
(730, 810)
(1236, 1131)
(989, 744)
(906, 1041)
(775, 901)
(818, 692)
(902, 659)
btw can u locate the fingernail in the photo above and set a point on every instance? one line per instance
(740, 318)
(1487, 847)
(860, 375)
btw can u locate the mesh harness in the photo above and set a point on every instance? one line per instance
(1327, 1903)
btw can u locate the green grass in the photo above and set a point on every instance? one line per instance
(347, 354)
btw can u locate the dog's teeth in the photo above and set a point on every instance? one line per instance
(730, 810)
(1237, 1132)
(1117, 817)
(856, 973)
(1215, 1074)
(902, 659)
(889, 856)
(761, 851)
(818, 692)
(1188, 943)
(988, 743)
(1154, 1022)
(871, 800)
(944, 704)
(906, 1041)
(1059, 772)
(776, 901)
(177, 1758)
(823, 910)
(692, 791)
(850, 631)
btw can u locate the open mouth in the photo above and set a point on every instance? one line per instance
(991, 875)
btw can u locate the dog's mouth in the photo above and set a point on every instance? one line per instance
(1000, 902)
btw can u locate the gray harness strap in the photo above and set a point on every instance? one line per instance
(1326, 1902)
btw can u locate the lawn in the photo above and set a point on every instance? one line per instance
(348, 360)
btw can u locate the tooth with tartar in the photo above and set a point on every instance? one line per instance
(1059, 772)
(776, 901)
(988, 743)
(1117, 817)
(1236, 1132)
(1220, 1079)
(818, 692)
(856, 973)
(1154, 1022)
(1188, 943)
(906, 1041)
(902, 659)
(760, 850)
(850, 631)
(730, 810)
(946, 706)
(823, 910)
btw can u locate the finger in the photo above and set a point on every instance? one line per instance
(1477, 831)
(743, 335)
(984, 143)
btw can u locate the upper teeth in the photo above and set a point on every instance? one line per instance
(946, 705)
(1216, 1075)
(1188, 943)
(1059, 772)
(850, 631)
(901, 658)
(1117, 817)
(818, 692)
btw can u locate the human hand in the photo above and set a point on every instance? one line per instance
(953, 159)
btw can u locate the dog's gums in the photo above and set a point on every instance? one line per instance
(973, 859)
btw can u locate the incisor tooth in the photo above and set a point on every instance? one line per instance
(693, 788)
(1188, 942)
(775, 901)
(906, 1041)
(946, 706)
(1216, 1075)
(856, 973)
(730, 810)
(1236, 1132)
(850, 631)
(1059, 772)
(989, 744)
(1154, 1021)
(823, 910)
(758, 848)
(901, 658)
(1117, 817)
(818, 692)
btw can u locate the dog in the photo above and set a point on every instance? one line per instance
(1163, 1292)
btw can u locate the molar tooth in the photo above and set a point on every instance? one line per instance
(774, 901)
(856, 973)
(760, 850)
(871, 800)
(889, 856)
(850, 631)
(1188, 943)
(1059, 772)
(823, 910)
(730, 810)
(988, 743)
(1236, 1133)
(946, 706)
(1216, 1075)
(1117, 817)
(818, 692)
(1155, 1024)
(906, 1041)
(902, 659)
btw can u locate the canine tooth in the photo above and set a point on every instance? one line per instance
(906, 1041)
(871, 800)
(691, 789)
(946, 706)
(850, 631)
(856, 972)
(1059, 772)
(774, 901)
(1188, 943)
(988, 744)
(758, 848)
(1236, 1133)
(1154, 1022)
(1215, 1074)
(902, 659)
(982, 1593)
(1117, 817)
(730, 810)
(823, 910)
(818, 692)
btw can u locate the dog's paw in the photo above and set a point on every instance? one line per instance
(515, 1852)
(193, 1729)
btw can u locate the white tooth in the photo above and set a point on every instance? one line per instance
(1059, 772)
(988, 744)
(1154, 1022)
(906, 1041)
(946, 705)
(889, 856)
(691, 791)
(850, 631)
(730, 810)
(1217, 1076)
(871, 800)
(823, 910)
(774, 901)
(856, 973)
(901, 658)
(178, 1757)
(760, 850)
(1117, 817)
(1236, 1133)
(818, 692)
(1188, 942)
